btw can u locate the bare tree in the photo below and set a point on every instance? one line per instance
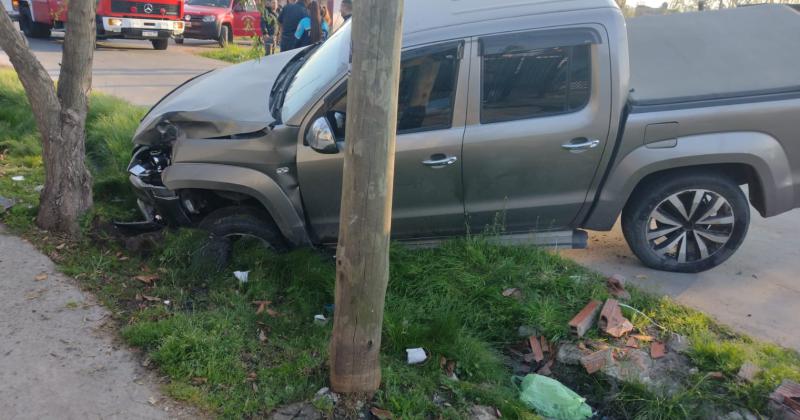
(60, 115)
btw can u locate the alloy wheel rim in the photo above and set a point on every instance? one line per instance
(690, 226)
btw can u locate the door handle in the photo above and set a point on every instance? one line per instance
(581, 144)
(440, 161)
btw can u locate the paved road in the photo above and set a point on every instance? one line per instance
(757, 291)
(132, 69)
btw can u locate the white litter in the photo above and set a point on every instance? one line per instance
(18, 178)
(242, 276)
(320, 320)
(416, 356)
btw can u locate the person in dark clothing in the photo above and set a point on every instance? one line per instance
(290, 17)
(269, 25)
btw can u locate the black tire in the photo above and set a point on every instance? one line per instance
(179, 41)
(701, 248)
(231, 223)
(160, 44)
(41, 30)
(224, 36)
(25, 21)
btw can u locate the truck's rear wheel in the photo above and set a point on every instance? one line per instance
(686, 223)
(160, 44)
(232, 223)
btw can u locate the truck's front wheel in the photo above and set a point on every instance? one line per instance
(229, 224)
(160, 44)
(224, 36)
(686, 223)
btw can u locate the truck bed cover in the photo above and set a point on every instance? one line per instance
(712, 55)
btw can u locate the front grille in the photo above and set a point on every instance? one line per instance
(121, 6)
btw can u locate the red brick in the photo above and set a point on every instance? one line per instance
(536, 349)
(584, 320)
(545, 345)
(657, 350)
(632, 343)
(596, 361)
(616, 287)
(611, 320)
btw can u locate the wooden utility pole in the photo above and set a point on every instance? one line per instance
(362, 265)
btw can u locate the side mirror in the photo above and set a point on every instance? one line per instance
(320, 137)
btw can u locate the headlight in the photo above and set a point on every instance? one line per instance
(209, 18)
(178, 25)
(114, 22)
(187, 18)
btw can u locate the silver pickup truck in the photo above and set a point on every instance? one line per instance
(533, 119)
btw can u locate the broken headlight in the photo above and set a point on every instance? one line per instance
(148, 164)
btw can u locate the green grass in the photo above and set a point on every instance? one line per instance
(235, 53)
(447, 300)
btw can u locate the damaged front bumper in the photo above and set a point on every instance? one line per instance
(158, 204)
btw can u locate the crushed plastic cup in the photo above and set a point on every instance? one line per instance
(416, 356)
(242, 276)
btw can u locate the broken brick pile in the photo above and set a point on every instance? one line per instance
(785, 401)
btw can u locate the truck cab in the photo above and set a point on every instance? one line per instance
(221, 20)
(123, 19)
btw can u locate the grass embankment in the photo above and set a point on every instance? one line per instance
(222, 355)
(235, 53)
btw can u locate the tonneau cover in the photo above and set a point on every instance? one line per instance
(715, 54)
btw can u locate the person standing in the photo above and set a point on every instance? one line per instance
(326, 16)
(312, 28)
(269, 25)
(290, 17)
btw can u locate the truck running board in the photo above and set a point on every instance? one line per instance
(563, 239)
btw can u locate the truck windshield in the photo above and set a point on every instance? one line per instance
(209, 3)
(324, 66)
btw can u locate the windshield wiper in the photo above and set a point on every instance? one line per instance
(285, 78)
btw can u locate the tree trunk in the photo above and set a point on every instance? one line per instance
(60, 116)
(362, 266)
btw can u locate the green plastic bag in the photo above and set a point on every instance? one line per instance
(551, 398)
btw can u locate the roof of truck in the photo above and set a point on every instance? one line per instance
(424, 15)
(714, 54)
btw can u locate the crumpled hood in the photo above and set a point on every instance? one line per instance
(225, 102)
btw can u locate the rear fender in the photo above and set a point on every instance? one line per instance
(244, 181)
(761, 152)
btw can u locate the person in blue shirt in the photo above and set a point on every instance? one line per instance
(311, 29)
(290, 16)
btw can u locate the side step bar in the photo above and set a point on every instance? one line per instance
(563, 239)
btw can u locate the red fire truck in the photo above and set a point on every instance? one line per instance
(130, 19)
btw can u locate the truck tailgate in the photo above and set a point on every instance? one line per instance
(723, 54)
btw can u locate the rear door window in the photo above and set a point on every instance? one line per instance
(523, 77)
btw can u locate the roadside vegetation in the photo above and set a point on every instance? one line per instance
(243, 349)
(236, 53)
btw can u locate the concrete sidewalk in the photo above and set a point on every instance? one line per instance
(58, 355)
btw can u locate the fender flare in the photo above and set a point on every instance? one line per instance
(760, 151)
(246, 181)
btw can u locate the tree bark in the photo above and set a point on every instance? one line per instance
(362, 266)
(60, 115)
